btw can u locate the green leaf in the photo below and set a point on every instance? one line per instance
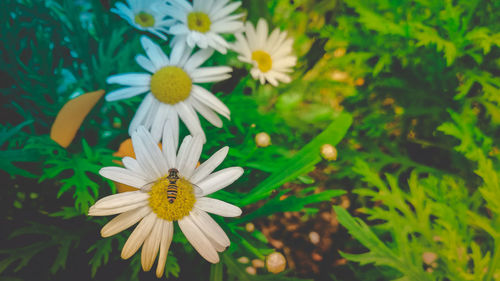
(15, 155)
(67, 213)
(5, 134)
(216, 272)
(102, 248)
(57, 237)
(291, 203)
(81, 166)
(379, 253)
(172, 267)
(302, 161)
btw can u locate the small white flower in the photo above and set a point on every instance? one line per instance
(202, 23)
(147, 15)
(171, 92)
(271, 56)
(151, 173)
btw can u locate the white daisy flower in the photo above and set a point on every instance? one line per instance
(202, 23)
(170, 88)
(146, 15)
(169, 188)
(271, 56)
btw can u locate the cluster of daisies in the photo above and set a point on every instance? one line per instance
(170, 186)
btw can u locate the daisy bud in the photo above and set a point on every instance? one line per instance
(275, 262)
(429, 257)
(243, 260)
(339, 76)
(314, 237)
(329, 152)
(263, 139)
(257, 263)
(251, 270)
(249, 227)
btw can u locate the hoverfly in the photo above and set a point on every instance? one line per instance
(172, 177)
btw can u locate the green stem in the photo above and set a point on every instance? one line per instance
(495, 262)
(216, 272)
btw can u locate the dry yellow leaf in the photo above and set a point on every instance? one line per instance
(71, 116)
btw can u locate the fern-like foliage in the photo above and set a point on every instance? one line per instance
(49, 236)
(76, 171)
(427, 217)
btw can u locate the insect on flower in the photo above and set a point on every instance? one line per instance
(172, 177)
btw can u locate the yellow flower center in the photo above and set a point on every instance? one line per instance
(144, 19)
(171, 84)
(181, 205)
(263, 59)
(198, 21)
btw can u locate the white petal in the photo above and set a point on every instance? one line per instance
(227, 25)
(209, 227)
(189, 159)
(154, 52)
(204, 96)
(155, 31)
(130, 79)
(222, 44)
(271, 40)
(178, 29)
(151, 245)
(211, 79)
(176, 13)
(198, 59)
(271, 79)
(218, 5)
(190, 119)
(120, 7)
(140, 233)
(124, 221)
(226, 11)
(170, 139)
(217, 207)
(131, 164)
(121, 199)
(220, 179)
(261, 32)
(107, 212)
(124, 176)
(209, 71)
(186, 142)
(140, 115)
(279, 42)
(177, 52)
(145, 63)
(147, 152)
(251, 36)
(125, 93)
(241, 46)
(209, 166)
(196, 237)
(206, 112)
(280, 76)
(190, 40)
(159, 121)
(288, 61)
(283, 50)
(166, 239)
(150, 116)
(200, 39)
